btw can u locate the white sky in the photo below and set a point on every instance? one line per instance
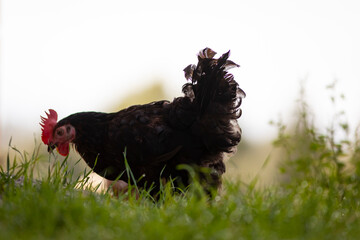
(73, 55)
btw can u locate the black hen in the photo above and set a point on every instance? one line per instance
(199, 129)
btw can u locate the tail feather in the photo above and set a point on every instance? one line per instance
(212, 101)
(210, 82)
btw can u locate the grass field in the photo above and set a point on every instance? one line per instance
(317, 198)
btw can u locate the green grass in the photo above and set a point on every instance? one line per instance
(53, 211)
(318, 197)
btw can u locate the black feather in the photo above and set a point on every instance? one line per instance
(196, 129)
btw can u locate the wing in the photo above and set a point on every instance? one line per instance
(143, 131)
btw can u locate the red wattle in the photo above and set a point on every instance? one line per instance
(63, 149)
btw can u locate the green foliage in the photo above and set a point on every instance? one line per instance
(50, 211)
(325, 159)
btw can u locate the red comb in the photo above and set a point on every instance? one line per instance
(47, 126)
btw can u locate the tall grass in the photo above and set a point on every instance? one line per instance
(330, 158)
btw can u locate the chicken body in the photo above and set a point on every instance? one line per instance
(198, 129)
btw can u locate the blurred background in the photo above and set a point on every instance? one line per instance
(75, 56)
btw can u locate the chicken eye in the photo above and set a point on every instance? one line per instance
(59, 132)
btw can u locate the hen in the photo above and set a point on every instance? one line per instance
(199, 129)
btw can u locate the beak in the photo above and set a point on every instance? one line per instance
(51, 147)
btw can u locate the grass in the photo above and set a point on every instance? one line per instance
(318, 197)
